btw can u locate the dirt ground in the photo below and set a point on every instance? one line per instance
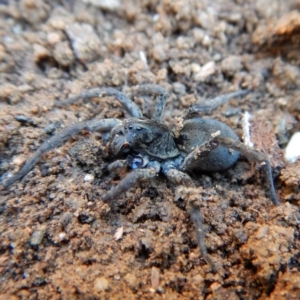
(59, 240)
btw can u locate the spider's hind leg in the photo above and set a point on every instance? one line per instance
(252, 155)
(201, 153)
(198, 155)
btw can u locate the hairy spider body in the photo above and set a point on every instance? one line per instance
(149, 147)
(157, 142)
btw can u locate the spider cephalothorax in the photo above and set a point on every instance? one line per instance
(149, 147)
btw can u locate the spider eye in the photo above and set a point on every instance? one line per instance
(137, 128)
(137, 162)
(193, 114)
(125, 148)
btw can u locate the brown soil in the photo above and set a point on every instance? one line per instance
(57, 236)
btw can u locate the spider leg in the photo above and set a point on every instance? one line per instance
(103, 125)
(127, 103)
(118, 164)
(128, 181)
(209, 105)
(191, 195)
(253, 155)
(179, 178)
(160, 101)
(197, 219)
(199, 154)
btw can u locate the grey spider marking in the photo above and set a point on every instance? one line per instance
(149, 147)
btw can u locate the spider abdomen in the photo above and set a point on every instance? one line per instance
(196, 131)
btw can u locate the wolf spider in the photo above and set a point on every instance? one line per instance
(149, 147)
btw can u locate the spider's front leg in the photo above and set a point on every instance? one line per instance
(160, 101)
(179, 178)
(128, 104)
(211, 104)
(103, 125)
(116, 165)
(130, 180)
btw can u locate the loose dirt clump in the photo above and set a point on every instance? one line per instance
(59, 240)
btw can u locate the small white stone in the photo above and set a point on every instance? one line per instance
(206, 41)
(119, 233)
(117, 277)
(195, 67)
(62, 236)
(155, 18)
(101, 284)
(89, 178)
(37, 237)
(53, 38)
(292, 150)
(105, 4)
(143, 58)
(246, 130)
(207, 70)
(19, 160)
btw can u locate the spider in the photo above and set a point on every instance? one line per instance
(149, 147)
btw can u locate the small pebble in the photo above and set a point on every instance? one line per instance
(231, 111)
(131, 281)
(40, 53)
(119, 233)
(206, 41)
(101, 284)
(215, 286)
(231, 65)
(105, 4)
(25, 120)
(65, 219)
(53, 38)
(34, 110)
(246, 129)
(25, 88)
(37, 237)
(18, 160)
(179, 88)
(89, 178)
(206, 70)
(195, 68)
(84, 40)
(155, 277)
(292, 150)
(50, 128)
(62, 236)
